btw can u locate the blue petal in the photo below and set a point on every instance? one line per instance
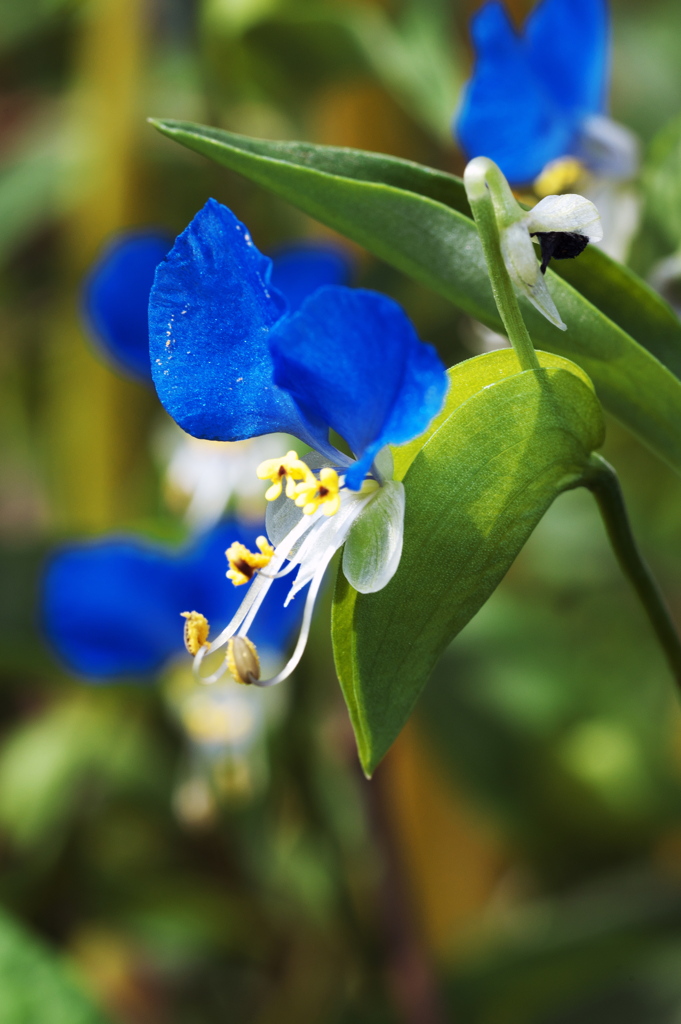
(298, 270)
(508, 112)
(111, 608)
(210, 312)
(116, 299)
(568, 41)
(353, 358)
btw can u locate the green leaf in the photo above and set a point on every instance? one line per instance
(412, 216)
(34, 986)
(508, 444)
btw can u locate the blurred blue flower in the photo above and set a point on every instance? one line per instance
(230, 360)
(116, 292)
(116, 299)
(540, 95)
(111, 607)
(299, 270)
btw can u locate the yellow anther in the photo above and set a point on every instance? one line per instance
(243, 564)
(242, 660)
(313, 493)
(196, 630)
(290, 467)
(559, 176)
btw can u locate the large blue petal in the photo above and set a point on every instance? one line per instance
(298, 270)
(116, 299)
(508, 113)
(210, 312)
(567, 41)
(111, 608)
(352, 357)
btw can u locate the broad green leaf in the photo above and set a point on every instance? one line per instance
(415, 218)
(465, 380)
(34, 987)
(510, 442)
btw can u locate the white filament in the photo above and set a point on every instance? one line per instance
(317, 538)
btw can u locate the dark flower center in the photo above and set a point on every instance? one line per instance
(560, 245)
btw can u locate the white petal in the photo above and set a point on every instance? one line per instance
(384, 463)
(207, 474)
(620, 208)
(374, 546)
(519, 256)
(321, 544)
(523, 266)
(565, 213)
(280, 518)
(608, 148)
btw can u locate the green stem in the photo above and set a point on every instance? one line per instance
(600, 478)
(492, 202)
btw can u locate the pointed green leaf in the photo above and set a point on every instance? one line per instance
(509, 443)
(35, 986)
(414, 217)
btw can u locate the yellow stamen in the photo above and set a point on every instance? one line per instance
(242, 660)
(290, 467)
(196, 630)
(559, 176)
(243, 564)
(312, 494)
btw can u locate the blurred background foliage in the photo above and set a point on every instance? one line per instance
(517, 859)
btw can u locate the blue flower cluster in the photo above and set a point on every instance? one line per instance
(240, 346)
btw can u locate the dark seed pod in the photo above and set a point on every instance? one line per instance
(242, 660)
(560, 245)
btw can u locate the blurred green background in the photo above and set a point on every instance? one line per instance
(517, 859)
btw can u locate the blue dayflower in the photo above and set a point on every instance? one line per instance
(111, 607)
(231, 360)
(538, 96)
(116, 291)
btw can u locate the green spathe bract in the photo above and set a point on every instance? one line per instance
(506, 446)
(415, 218)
